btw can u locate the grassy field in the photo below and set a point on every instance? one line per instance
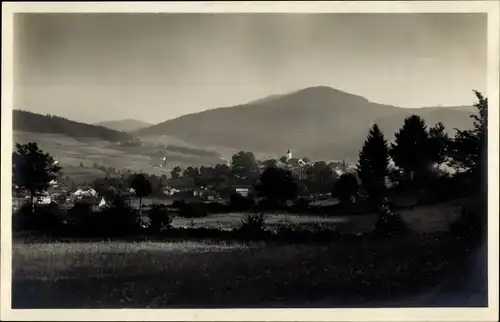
(70, 152)
(151, 275)
(432, 218)
(208, 274)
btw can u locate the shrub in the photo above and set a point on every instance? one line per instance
(159, 218)
(252, 225)
(45, 218)
(82, 220)
(119, 217)
(22, 218)
(389, 222)
(80, 209)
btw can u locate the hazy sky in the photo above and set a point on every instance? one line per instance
(93, 67)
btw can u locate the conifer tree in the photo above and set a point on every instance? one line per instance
(438, 143)
(373, 163)
(410, 151)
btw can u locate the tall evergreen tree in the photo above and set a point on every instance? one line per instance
(410, 151)
(373, 163)
(438, 143)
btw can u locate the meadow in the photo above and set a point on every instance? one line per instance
(186, 274)
(147, 274)
(70, 152)
(431, 218)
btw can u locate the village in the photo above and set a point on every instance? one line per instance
(185, 187)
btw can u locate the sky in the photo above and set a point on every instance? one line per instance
(154, 67)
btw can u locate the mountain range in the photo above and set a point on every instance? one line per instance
(318, 122)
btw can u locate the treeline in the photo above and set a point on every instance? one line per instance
(32, 122)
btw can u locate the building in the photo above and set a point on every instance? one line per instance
(243, 190)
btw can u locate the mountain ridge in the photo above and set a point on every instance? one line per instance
(308, 120)
(39, 123)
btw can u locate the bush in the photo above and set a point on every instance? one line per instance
(45, 218)
(119, 218)
(389, 222)
(253, 225)
(159, 218)
(83, 221)
(22, 218)
(80, 209)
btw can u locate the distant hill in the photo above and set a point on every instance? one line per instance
(126, 125)
(320, 122)
(50, 124)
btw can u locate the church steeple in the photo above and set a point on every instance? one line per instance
(288, 155)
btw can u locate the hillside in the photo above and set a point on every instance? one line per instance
(320, 122)
(50, 124)
(77, 146)
(126, 125)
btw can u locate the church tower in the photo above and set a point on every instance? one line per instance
(288, 155)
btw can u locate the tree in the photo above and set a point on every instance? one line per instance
(320, 177)
(176, 172)
(159, 218)
(244, 165)
(191, 172)
(141, 184)
(469, 148)
(270, 163)
(346, 188)
(438, 144)
(206, 177)
(277, 186)
(373, 163)
(32, 169)
(410, 149)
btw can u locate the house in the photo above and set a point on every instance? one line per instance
(243, 190)
(205, 193)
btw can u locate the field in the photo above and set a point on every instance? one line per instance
(70, 152)
(152, 275)
(208, 274)
(432, 218)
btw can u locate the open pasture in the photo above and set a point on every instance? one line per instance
(186, 274)
(431, 218)
(70, 152)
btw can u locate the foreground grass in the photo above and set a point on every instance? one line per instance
(151, 275)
